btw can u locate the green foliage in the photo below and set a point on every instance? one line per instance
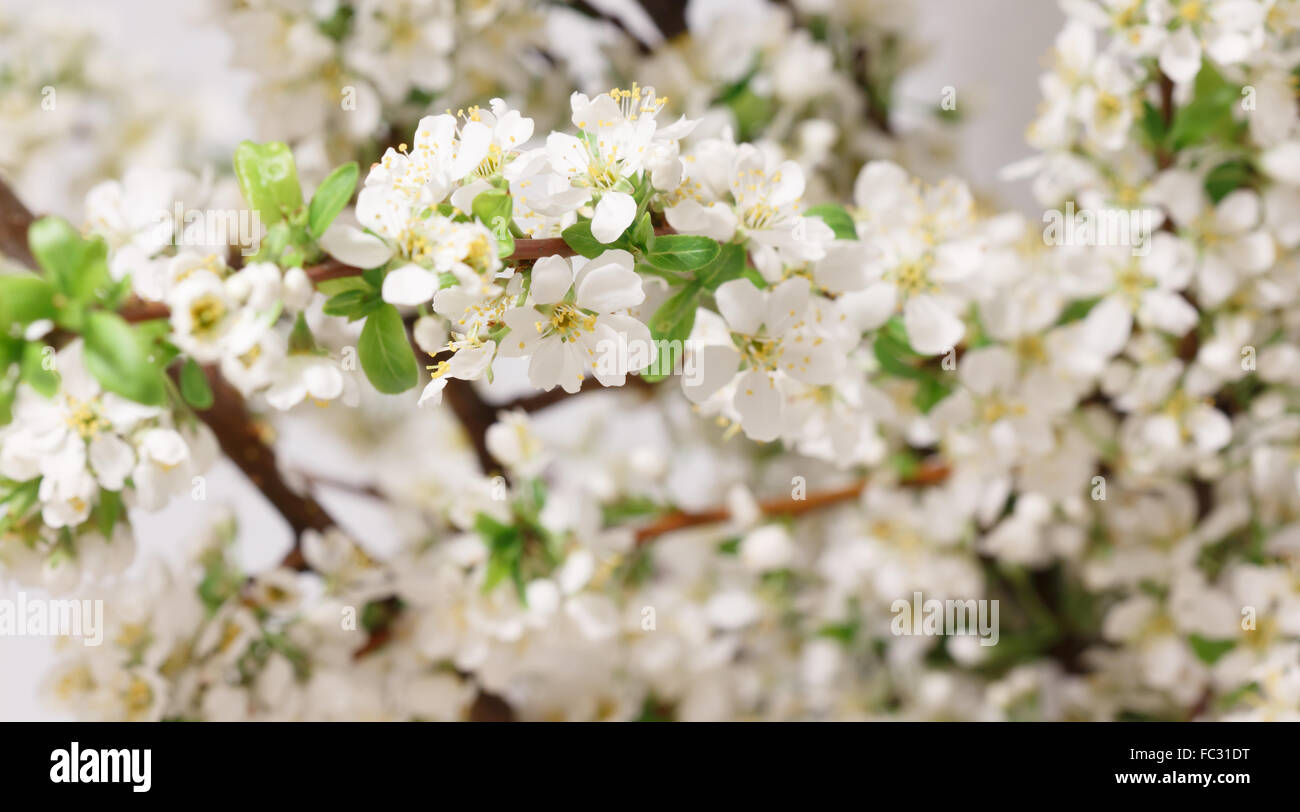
(268, 179)
(505, 553)
(385, 353)
(33, 371)
(330, 198)
(1208, 117)
(108, 512)
(494, 208)
(16, 500)
(682, 252)
(75, 266)
(194, 385)
(838, 218)
(673, 322)
(728, 265)
(1228, 177)
(1209, 651)
(119, 358)
(897, 358)
(25, 299)
(579, 237)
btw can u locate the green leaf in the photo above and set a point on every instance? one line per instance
(34, 374)
(24, 299)
(672, 323)
(331, 196)
(1209, 115)
(1209, 651)
(19, 501)
(333, 287)
(301, 340)
(119, 359)
(682, 252)
(194, 385)
(644, 232)
(729, 265)
(838, 218)
(494, 208)
(894, 356)
(929, 392)
(268, 179)
(505, 553)
(385, 353)
(352, 304)
(8, 390)
(77, 267)
(1228, 177)
(752, 111)
(1077, 309)
(108, 511)
(578, 237)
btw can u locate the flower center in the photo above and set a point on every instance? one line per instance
(84, 418)
(206, 312)
(568, 322)
(761, 352)
(913, 277)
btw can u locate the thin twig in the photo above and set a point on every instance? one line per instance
(929, 474)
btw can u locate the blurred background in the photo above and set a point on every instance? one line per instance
(990, 51)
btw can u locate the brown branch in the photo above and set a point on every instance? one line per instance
(241, 441)
(316, 480)
(15, 219)
(138, 310)
(929, 474)
(1164, 158)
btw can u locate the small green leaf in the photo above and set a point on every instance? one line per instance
(34, 374)
(108, 511)
(1077, 310)
(24, 299)
(1209, 651)
(672, 323)
(77, 267)
(1209, 115)
(578, 237)
(838, 218)
(1153, 125)
(385, 353)
(929, 392)
(119, 359)
(8, 390)
(353, 304)
(268, 179)
(644, 233)
(301, 339)
(682, 252)
(494, 208)
(1228, 177)
(194, 385)
(331, 196)
(333, 287)
(729, 265)
(19, 501)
